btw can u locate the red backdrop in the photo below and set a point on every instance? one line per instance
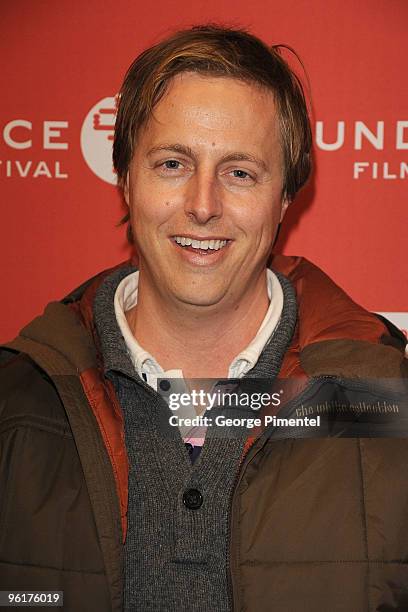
(62, 61)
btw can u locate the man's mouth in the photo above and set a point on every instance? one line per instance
(206, 245)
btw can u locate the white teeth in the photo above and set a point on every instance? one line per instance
(204, 245)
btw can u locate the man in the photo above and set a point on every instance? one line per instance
(102, 497)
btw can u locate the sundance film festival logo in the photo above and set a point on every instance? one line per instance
(29, 141)
(362, 137)
(22, 137)
(97, 139)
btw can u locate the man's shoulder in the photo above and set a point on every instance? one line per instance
(87, 290)
(334, 334)
(27, 395)
(63, 336)
(60, 342)
(325, 310)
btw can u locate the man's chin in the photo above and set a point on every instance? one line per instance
(197, 300)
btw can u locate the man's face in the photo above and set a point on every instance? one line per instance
(204, 191)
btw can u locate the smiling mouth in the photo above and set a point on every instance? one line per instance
(201, 246)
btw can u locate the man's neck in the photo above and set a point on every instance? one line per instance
(201, 341)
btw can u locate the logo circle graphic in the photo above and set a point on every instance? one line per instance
(97, 139)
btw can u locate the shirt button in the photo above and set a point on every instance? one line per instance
(192, 499)
(164, 385)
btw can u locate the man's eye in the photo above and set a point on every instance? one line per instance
(241, 174)
(171, 164)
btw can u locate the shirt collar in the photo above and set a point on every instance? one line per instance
(146, 365)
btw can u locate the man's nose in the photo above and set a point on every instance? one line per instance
(203, 199)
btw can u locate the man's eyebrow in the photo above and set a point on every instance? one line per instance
(174, 147)
(245, 157)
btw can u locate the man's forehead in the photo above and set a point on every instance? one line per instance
(213, 108)
(221, 92)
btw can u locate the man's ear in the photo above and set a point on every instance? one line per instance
(285, 204)
(126, 190)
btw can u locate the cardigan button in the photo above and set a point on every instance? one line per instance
(164, 385)
(192, 499)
